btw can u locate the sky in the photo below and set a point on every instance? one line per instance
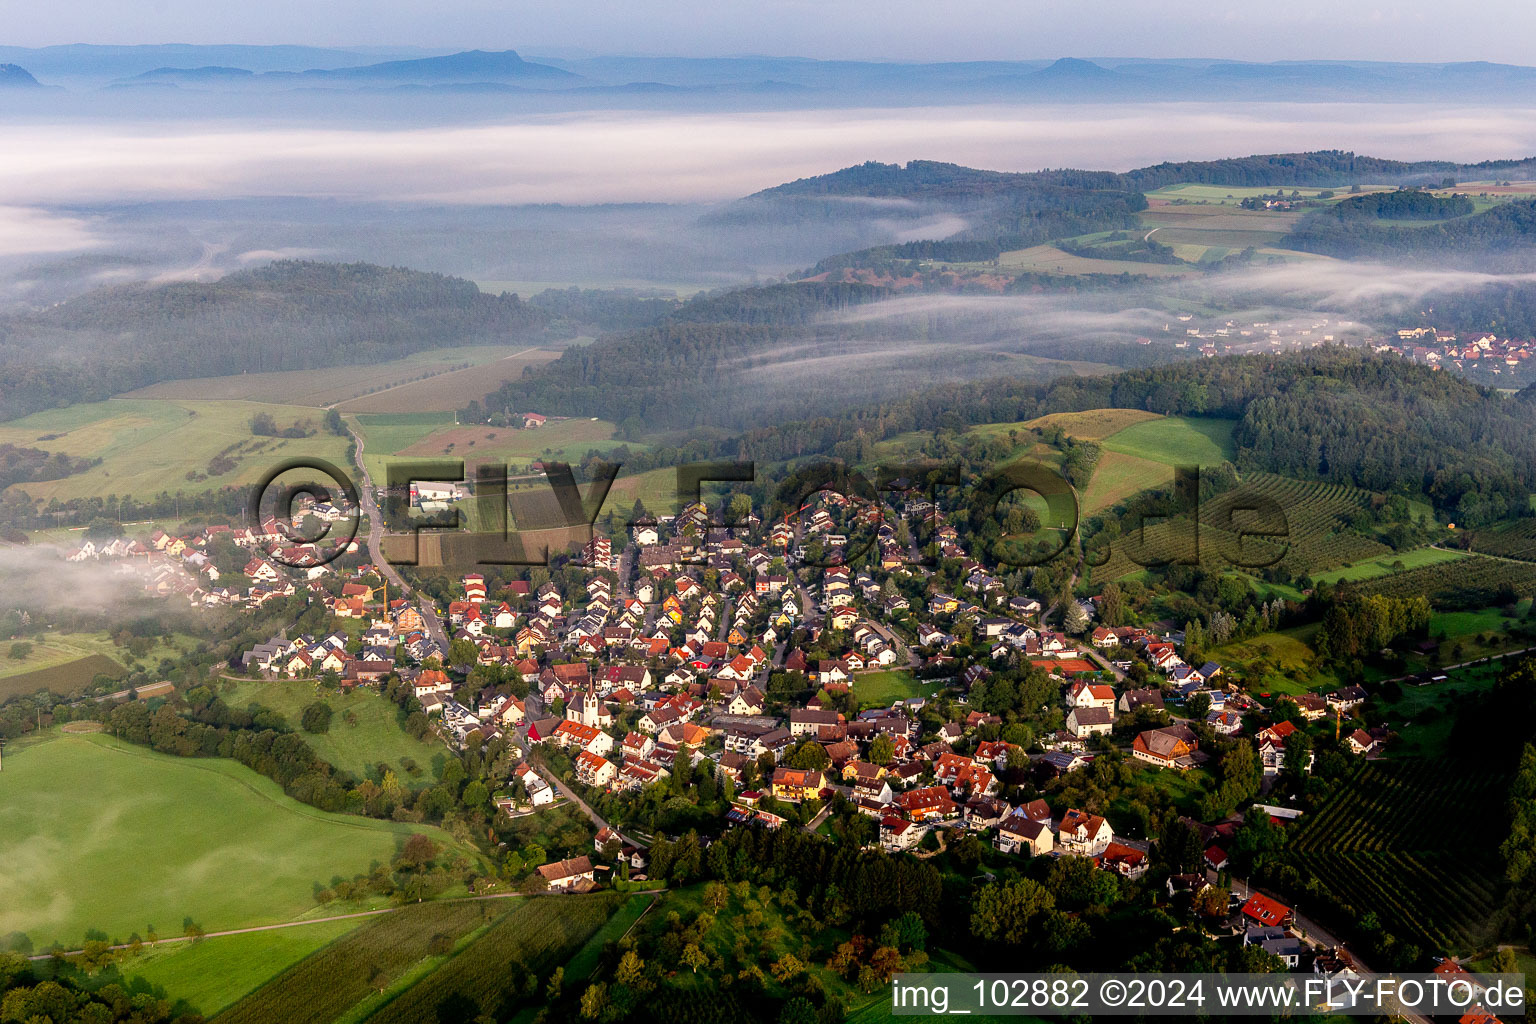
(1407, 30)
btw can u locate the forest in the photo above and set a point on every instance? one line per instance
(287, 315)
(1502, 238)
(1338, 415)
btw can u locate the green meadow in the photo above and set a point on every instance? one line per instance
(365, 729)
(97, 835)
(1176, 441)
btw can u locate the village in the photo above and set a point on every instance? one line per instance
(689, 641)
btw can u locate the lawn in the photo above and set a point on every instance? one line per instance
(880, 689)
(213, 973)
(106, 836)
(1176, 441)
(149, 446)
(372, 735)
(1386, 565)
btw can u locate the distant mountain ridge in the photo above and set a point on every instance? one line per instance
(691, 82)
(14, 76)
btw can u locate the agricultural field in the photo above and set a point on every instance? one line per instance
(324, 387)
(1380, 844)
(562, 440)
(210, 974)
(1514, 540)
(59, 648)
(1471, 582)
(1047, 259)
(1211, 224)
(384, 434)
(880, 689)
(1315, 536)
(535, 936)
(148, 447)
(1093, 425)
(1387, 565)
(327, 984)
(451, 389)
(102, 835)
(63, 678)
(365, 729)
(1118, 477)
(585, 961)
(1175, 441)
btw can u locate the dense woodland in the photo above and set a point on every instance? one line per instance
(1503, 238)
(1341, 415)
(1404, 204)
(288, 315)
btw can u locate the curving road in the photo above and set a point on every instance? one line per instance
(370, 508)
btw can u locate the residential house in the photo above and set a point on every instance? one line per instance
(1082, 833)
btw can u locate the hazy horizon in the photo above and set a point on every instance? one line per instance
(1414, 30)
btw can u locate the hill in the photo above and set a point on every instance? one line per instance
(210, 840)
(465, 67)
(288, 315)
(1502, 237)
(13, 76)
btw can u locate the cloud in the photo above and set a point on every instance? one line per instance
(26, 232)
(1341, 285)
(608, 157)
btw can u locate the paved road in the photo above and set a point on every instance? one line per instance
(570, 794)
(1103, 662)
(370, 508)
(1319, 935)
(285, 924)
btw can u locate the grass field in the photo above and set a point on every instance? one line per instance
(1278, 663)
(1118, 477)
(341, 980)
(566, 440)
(211, 974)
(98, 835)
(1176, 441)
(1095, 424)
(323, 387)
(1422, 716)
(1047, 259)
(880, 689)
(386, 433)
(376, 737)
(1385, 566)
(454, 389)
(149, 446)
